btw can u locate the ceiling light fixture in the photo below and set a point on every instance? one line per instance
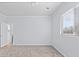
(47, 9)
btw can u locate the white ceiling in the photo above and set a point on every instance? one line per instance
(28, 8)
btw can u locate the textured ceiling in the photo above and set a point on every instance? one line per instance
(28, 8)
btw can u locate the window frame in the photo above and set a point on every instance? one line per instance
(62, 21)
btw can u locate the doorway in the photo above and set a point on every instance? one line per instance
(10, 34)
(6, 34)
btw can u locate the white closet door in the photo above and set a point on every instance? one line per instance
(4, 37)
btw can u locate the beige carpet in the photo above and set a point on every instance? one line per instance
(29, 51)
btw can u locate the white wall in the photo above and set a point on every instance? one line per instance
(2, 19)
(4, 34)
(31, 30)
(67, 45)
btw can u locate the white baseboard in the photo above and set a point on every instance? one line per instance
(59, 51)
(34, 44)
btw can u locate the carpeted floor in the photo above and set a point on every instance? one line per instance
(29, 51)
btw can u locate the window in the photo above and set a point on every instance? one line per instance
(68, 22)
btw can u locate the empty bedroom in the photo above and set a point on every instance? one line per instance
(39, 29)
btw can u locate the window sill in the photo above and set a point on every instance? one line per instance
(71, 35)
